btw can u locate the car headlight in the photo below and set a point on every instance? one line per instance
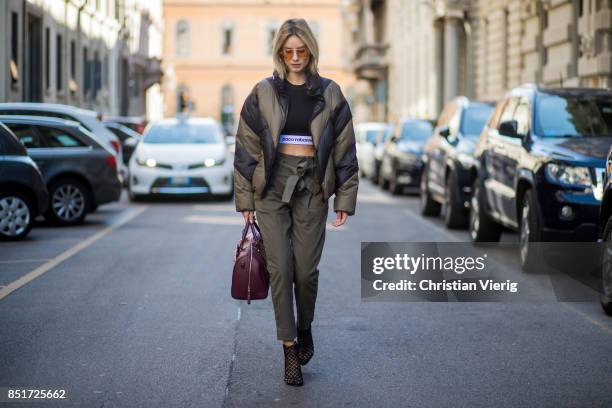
(569, 175)
(214, 162)
(146, 162)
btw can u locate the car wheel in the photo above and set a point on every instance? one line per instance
(455, 215)
(429, 207)
(376, 173)
(16, 216)
(69, 201)
(530, 232)
(481, 227)
(605, 297)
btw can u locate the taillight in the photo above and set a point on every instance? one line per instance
(116, 145)
(111, 161)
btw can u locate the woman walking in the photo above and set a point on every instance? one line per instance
(295, 147)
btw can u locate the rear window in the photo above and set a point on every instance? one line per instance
(183, 133)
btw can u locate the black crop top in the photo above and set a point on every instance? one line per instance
(301, 106)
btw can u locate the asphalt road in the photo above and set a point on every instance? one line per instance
(133, 309)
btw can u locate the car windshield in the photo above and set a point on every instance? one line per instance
(416, 130)
(375, 135)
(573, 116)
(183, 133)
(474, 119)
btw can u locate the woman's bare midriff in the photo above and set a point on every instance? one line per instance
(296, 150)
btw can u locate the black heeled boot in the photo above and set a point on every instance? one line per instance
(305, 345)
(293, 371)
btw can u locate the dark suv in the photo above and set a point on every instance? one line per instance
(606, 225)
(539, 161)
(449, 159)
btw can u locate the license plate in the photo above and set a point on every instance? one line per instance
(180, 180)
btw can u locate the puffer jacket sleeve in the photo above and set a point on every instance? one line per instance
(344, 155)
(246, 152)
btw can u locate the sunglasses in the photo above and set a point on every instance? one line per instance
(287, 53)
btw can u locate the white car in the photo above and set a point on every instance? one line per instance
(370, 138)
(182, 156)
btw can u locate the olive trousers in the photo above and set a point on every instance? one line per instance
(292, 217)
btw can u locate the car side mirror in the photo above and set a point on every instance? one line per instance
(508, 128)
(444, 131)
(394, 139)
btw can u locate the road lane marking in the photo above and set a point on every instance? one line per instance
(595, 322)
(122, 219)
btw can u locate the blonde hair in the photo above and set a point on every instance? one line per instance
(298, 27)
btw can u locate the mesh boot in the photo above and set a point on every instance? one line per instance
(293, 371)
(305, 346)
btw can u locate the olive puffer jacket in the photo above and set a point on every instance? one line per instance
(262, 118)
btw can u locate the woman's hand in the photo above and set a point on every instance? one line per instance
(249, 216)
(341, 217)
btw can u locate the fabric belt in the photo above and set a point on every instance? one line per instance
(303, 179)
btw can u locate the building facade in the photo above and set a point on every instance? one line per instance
(216, 51)
(97, 54)
(432, 50)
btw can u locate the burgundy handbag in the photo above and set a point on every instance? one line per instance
(250, 275)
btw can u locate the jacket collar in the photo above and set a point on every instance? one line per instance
(314, 86)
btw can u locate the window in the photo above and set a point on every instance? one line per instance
(270, 39)
(86, 81)
(474, 119)
(227, 40)
(47, 58)
(416, 130)
(183, 133)
(182, 39)
(27, 135)
(72, 59)
(14, 48)
(521, 115)
(59, 69)
(54, 138)
(97, 74)
(573, 116)
(508, 111)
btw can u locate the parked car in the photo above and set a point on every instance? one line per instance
(23, 194)
(446, 182)
(136, 123)
(129, 138)
(370, 137)
(540, 159)
(402, 161)
(606, 224)
(80, 171)
(87, 118)
(182, 156)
